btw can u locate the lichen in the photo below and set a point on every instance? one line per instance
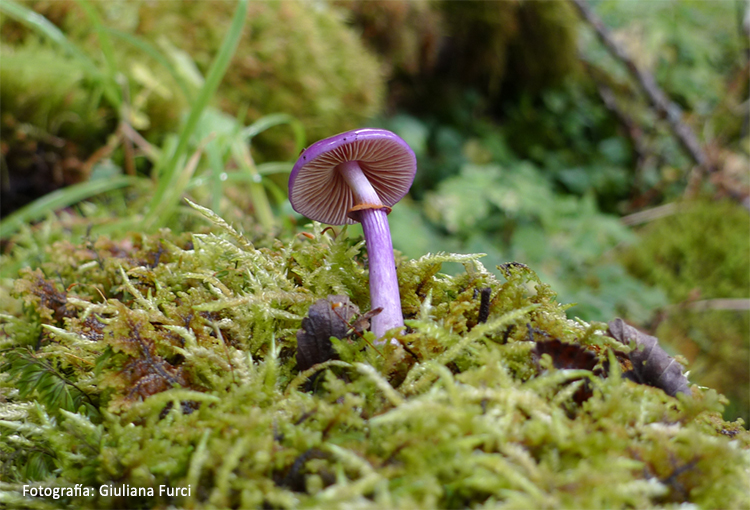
(170, 360)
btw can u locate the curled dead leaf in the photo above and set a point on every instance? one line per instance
(325, 318)
(651, 364)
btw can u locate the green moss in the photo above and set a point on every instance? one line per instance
(174, 357)
(406, 34)
(46, 93)
(294, 57)
(678, 254)
(546, 49)
(436, 51)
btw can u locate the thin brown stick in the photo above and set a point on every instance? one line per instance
(650, 214)
(128, 151)
(658, 99)
(718, 304)
(131, 134)
(102, 152)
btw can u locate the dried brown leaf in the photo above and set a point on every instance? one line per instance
(325, 318)
(651, 364)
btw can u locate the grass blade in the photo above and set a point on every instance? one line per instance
(109, 82)
(153, 52)
(187, 172)
(61, 198)
(275, 167)
(216, 162)
(104, 40)
(43, 26)
(263, 213)
(159, 209)
(277, 119)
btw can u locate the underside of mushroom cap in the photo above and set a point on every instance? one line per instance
(318, 191)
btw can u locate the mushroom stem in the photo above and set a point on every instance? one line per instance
(383, 281)
(361, 188)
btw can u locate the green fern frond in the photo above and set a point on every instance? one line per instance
(35, 376)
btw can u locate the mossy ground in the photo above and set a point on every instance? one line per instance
(170, 359)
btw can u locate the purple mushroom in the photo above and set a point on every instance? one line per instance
(358, 176)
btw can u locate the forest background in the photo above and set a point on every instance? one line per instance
(536, 143)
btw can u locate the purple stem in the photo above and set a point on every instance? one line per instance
(383, 280)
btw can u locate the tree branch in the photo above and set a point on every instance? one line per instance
(657, 98)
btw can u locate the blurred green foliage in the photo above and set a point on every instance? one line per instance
(50, 95)
(513, 212)
(703, 253)
(317, 71)
(295, 57)
(697, 53)
(224, 138)
(568, 132)
(691, 46)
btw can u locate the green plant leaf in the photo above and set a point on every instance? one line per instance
(154, 53)
(42, 25)
(161, 206)
(276, 119)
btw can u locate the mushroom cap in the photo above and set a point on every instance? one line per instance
(319, 192)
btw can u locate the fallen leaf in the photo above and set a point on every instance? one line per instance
(325, 318)
(651, 364)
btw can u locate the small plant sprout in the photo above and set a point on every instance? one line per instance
(357, 176)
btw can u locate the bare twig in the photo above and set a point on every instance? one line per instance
(634, 132)
(718, 304)
(650, 214)
(658, 99)
(149, 150)
(127, 149)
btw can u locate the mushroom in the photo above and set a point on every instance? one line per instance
(356, 177)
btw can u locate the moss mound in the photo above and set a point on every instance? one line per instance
(677, 254)
(51, 122)
(294, 57)
(435, 51)
(699, 255)
(406, 34)
(170, 361)
(50, 95)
